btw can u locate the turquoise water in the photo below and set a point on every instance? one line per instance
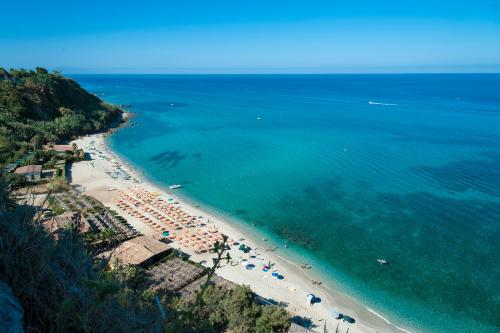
(348, 169)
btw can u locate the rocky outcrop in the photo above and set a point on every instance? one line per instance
(11, 313)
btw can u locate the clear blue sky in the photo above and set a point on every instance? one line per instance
(251, 36)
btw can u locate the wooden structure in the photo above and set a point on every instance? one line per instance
(30, 172)
(139, 251)
(68, 219)
(173, 275)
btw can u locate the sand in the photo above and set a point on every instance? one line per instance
(91, 177)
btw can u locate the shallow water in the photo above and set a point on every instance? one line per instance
(347, 169)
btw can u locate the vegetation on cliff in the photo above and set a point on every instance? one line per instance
(37, 107)
(63, 288)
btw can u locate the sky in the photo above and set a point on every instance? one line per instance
(236, 36)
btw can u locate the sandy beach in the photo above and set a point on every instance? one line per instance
(99, 178)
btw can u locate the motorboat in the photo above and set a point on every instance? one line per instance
(173, 187)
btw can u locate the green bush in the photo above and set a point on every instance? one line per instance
(58, 285)
(272, 319)
(235, 310)
(37, 107)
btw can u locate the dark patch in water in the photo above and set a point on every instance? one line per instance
(168, 159)
(241, 212)
(459, 176)
(443, 252)
(197, 155)
(136, 134)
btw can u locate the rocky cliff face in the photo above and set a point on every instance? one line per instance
(11, 313)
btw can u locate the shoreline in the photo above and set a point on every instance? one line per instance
(293, 290)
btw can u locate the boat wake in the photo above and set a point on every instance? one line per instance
(385, 104)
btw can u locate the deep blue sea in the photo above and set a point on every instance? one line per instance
(347, 169)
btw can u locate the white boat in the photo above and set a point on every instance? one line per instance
(173, 187)
(382, 261)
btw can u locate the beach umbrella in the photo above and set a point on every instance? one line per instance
(336, 314)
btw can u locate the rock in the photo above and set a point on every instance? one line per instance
(11, 312)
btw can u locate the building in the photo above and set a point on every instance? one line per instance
(30, 172)
(138, 251)
(60, 148)
(10, 167)
(66, 220)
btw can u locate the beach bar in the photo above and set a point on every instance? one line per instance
(139, 251)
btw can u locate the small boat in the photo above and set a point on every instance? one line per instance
(383, 261)
(173, 187)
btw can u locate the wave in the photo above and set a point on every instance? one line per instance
(387, 320)
(385, 104)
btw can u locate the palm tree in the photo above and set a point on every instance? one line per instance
(107, 236)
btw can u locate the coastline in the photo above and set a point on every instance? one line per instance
(91, 176)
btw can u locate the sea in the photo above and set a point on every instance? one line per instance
(345, 169)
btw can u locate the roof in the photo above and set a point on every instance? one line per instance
(61, 148)
(198, 284)
(173, 274)
(10, 167)
(58, 222)
(29, 169)
(65, 220)
(136, 251)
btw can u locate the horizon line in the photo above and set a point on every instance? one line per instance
(277, 73)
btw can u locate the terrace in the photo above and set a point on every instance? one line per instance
(172, 275)
(97, 215)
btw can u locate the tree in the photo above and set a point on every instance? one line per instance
(272, 319)
(41, 70)
(241, 310)
(107, 236)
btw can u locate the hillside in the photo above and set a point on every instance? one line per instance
(37, 107)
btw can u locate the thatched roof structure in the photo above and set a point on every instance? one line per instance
(196, 285)
(138, 251)
(172, 275)
(67, 219)
(178, 276)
